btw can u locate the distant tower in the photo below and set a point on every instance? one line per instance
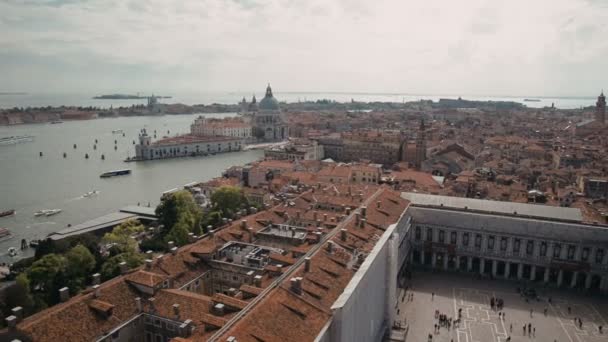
(421, 145)
(600, 109)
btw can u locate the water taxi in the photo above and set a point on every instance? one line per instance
(47, 212)
(7, 213)
(16, 139)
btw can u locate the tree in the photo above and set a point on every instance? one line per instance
(111, 268)
(80, 261)
(19, 295)
(228, 200)
(122, 236)
(179, 232)
(44, 270)
(174, 206)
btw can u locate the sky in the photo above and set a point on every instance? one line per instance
(478, 47)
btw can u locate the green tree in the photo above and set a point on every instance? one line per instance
(19, 295)
(111, 269)
(228, 200)
(43, 271)
(174, 206)
(80, 262)
(122, 236)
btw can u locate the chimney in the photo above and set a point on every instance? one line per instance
(244, 224)
(185, 329)
(176, 311)
(174, 250)
(191, 237)
(318, 236)
(250, 230)
(171, 244)
(96, 279)
(363, 221)
(296, 286)
(149, 254)
(257, 281)
(17, 312)
(148, 264)
(307, 264)
(357, 218)
(210, 230)
(330, 246)
(138, 304)
(363, 211)
(343, 234)
(218, 309)
(324, 217)
(11, 322)
(298, 214)
(378, 204)
(232, 338)
(123, 267)
(347, 210)
(314, 216)
(151, 301)
(96, 291)
(64, 294)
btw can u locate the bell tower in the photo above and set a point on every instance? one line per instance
(600, 109)
(421, 145)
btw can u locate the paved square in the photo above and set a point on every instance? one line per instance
(480, 323)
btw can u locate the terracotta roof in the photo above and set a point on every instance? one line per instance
(145, 278)
(229, 301)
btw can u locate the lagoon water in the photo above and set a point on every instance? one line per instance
(29, 183)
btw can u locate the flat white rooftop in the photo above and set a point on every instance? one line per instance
(495, 207)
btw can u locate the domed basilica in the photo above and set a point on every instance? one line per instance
(266, 119)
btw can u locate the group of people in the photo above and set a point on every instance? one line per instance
(496, 303)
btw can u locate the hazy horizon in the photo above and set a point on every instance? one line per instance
(468, 48)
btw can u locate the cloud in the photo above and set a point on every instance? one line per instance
(464, 47)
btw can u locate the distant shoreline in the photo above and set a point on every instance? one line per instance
(126, 97)
(13, 93)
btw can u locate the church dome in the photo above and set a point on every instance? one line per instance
(269, 102)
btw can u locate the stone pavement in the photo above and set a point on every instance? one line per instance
(480, 323)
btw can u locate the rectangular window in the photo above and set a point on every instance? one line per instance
(429, 234)
(557, 250)
(585, 254)
(571, 250)
(530, 247)
(599, 256)
(441, 236)
(516, 245)
(465, 239)
(418, 233)
(503, 244)
(477, 240)
(453, 238)
(491, 242)
(543, 249)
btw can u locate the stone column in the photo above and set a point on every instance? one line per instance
(533, 273)
(445, 261)
(546, 276)
(560, 278)
(458, 262)
(520, 271)
(469, 263)
(494, 266)
(482, 265)
(507, 269)
(574, 277)
(422, 253)
(588, 281)
(433, 260)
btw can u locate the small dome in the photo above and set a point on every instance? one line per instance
(269, 102)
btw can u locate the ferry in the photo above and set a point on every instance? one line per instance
(115, 173)
(7, 213)
(16, 139)
(4, 233)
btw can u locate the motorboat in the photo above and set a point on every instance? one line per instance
(52, 212)
(91, 193)
(12, 251)
(16, 139)
(47, 212)
(115, 173)
(7, 213)
(34, 243)
(117, 131)
(4, 233)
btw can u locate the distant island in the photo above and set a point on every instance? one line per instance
(13, 93)
(126, 97)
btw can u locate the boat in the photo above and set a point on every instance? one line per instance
(16, 139)
(117, 131)
(34, 243)
(115, 173)
(4, 233)
(52, 212)
(7, 213)
(90, 193)
(54, 122)
(12, 251)
(531, 100)
(47, 212)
